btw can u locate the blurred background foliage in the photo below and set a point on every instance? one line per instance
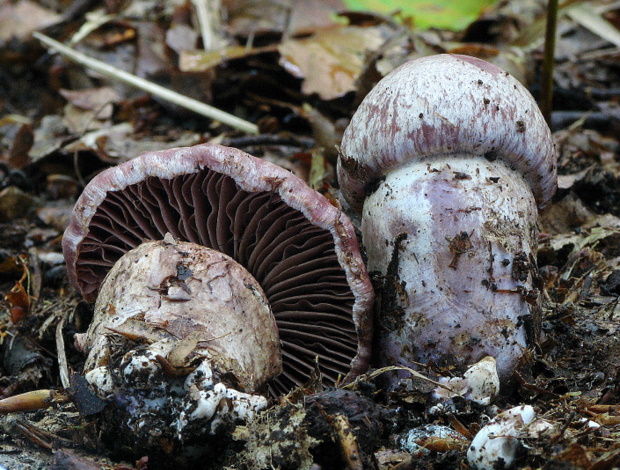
(455, 15)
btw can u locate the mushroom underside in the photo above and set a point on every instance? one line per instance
(294, 261)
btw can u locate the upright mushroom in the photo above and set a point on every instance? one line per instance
(447, 159)
(220, 263)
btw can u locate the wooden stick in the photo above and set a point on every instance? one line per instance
(546, 85)
(149, 87)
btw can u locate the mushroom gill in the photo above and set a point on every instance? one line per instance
(295, 261)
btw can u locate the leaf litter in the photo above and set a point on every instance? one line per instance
(61, 123)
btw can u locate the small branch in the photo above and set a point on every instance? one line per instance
(375, 373)
(546, 89)
(149, 87)
(62, 353)
(209, 14)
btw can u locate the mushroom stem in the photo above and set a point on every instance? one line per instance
(189, 304)
(454, 241)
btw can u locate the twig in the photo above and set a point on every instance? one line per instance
(63, 366)
(375, 373)
(30, 401)
(149, 87)
(210, 21)
(546, 90)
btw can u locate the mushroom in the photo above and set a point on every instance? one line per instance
(447, 159)
(234, 275)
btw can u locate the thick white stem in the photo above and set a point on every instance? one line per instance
(190, 303)
(454, 240)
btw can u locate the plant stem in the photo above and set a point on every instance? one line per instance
(546, 89)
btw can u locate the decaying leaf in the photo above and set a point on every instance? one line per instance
(19, 19)
(256, 17)
(331, 60)
(276, 441)
(119, 143)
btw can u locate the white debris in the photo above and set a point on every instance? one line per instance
(414, 441)
(214, 402)
(480, 383)
(496, 444)
(139, 367)
(101, 380)
(51, 258)
(589, 423)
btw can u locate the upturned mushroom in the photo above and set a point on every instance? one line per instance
(218, 277)
(447, 159)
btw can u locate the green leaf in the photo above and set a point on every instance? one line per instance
(446, 14)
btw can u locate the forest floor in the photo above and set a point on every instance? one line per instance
(61, 123)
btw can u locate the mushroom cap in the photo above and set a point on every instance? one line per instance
(301, 249)
(441, 105)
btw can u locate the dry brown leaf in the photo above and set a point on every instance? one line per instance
(250, 17)
(22, 18)
(88, 109)
(198, 61)
(331, 60)
(118, 144)
(93, 99)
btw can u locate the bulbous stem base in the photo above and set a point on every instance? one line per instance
(454, 242)
(183, 340)
(190, 304)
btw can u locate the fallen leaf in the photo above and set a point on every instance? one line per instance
(198, 61)
(589, 19)
(93, 99)
(22, 18)
(331, 60)
(88, 109)
(118, 144)
(15, 203)
(181, 37)
(253, 17)
(22, 143)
